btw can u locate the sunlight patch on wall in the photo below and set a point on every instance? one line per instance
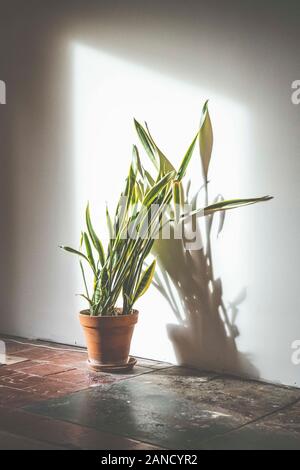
(108, 92)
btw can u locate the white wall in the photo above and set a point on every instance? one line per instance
(75, 76)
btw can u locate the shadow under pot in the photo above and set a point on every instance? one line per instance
(108, 340)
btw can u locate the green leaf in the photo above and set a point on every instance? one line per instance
(149, 178)
(74, 252)
(225, 205)
(127, 303)
(84, 279)
(234, 203)
(81, 240)
(104, 277)
(97, 292)
(205, 140)
(145, 281)
(186, 159)
(146, 142)
(86, 298)
(177, 199)
(130, 192)
(165, 166)
(109, 225)
(95, 240)
(89, 251)
(157, 188)
(139, 191)
(137, 160)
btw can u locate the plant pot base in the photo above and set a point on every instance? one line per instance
(113, 367)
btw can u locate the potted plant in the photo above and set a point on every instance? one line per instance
(119, 271)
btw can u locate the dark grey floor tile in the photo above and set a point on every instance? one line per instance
(254, 438)
(278, 432)
(175, 408)
(249, 399)
(140, 408)
(286, 420)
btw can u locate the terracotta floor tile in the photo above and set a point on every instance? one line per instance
(10, 397)
(62, 359)
(9, 360)
(41, 354)
(21, 366)
(52, 388)
(19, 380)
(4, 371)
(18, 389)
(72, 358)
(40, 368)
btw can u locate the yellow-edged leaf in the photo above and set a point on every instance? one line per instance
(146, 142)
(89, 251)
(137, 161)
(95, 240)
(145, 281)
(205, 140)
(177, 199)
(157, 188)
(186, 159)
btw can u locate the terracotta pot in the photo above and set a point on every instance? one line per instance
(108, 338)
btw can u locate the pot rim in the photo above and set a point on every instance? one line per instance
(84, 315)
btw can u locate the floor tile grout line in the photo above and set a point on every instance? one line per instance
(271, 413)
(253, 421)
(60, 372)
(23, 371)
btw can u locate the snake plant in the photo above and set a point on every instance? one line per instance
(119, 270)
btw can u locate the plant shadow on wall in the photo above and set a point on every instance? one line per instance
(206, 331)
(205, 336)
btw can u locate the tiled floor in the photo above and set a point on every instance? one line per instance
(50, 399)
